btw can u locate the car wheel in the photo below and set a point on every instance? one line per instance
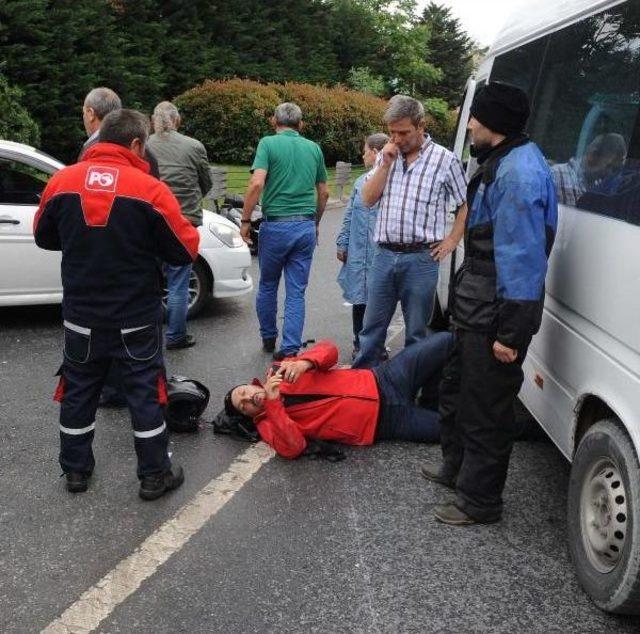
(199, 289)
(603, 517)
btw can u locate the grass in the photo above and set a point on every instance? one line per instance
(238, 177)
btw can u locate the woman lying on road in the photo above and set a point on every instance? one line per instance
(306, 398)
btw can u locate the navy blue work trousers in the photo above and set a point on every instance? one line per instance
(136, 354)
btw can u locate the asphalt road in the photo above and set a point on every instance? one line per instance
(303, 546)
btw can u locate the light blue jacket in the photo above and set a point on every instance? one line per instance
(356, 238)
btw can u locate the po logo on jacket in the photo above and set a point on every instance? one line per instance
(101, 179)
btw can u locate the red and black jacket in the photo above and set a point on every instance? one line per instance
(344, 407)
(112, 222)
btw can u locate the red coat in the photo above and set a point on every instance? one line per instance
(349, 415)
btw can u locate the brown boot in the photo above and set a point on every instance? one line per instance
(451, 514)
(435, 474)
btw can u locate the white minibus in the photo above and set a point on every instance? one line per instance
(579, 62)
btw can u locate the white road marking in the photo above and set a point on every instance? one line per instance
(97, 603)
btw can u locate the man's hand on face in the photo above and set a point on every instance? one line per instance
(245, 229)
(293, 370)
(272, 384)
(504, 354)
(389, 154)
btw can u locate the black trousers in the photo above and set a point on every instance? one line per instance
(357, 316)
(88, 355)
(477, 399)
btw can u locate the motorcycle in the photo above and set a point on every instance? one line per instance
(231, 208)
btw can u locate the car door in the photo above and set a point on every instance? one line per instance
(28, 274)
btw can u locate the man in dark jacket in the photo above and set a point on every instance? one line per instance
(112, 222)
(98, 103)
(497, 304)
(309, 399)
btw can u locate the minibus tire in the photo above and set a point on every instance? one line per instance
(603, 517)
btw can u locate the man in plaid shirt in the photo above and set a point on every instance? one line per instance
(415, 180)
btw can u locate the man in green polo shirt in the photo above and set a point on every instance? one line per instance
(289, 172)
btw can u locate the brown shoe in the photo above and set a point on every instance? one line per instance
(431, 472)
(451, 514)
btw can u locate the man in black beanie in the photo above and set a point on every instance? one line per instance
(497, 304)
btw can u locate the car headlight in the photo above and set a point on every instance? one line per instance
(227, 235)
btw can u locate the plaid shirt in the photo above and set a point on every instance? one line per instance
(569, 182)
(415, 200)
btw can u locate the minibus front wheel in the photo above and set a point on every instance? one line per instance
(604, 517)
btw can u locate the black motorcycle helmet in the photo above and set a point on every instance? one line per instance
(186, 400)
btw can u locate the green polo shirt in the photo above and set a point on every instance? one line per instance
(294, 167)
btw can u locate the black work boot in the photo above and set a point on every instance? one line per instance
(269, 344)
(281, 354)
(77, 482)
(155, 486)
(437, 474)
(184, 342)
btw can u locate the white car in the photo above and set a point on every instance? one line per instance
(29, 275)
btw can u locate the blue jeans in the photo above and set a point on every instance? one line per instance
(288, 247)
(178, 300)
(409, 278)
(418, 366)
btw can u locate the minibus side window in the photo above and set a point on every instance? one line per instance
(585, 115)
(521, 66)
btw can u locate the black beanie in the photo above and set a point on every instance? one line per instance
(502, 108)
(229, 408)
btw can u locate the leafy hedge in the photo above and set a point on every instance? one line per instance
(231, 116)
(15, 122)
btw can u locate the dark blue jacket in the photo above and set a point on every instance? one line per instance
(510, 230)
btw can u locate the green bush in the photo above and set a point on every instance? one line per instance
(15, 122)
(231, 116)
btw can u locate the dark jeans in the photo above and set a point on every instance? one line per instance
(417, 366)
(357, 315)
(88, 355)
(477, 398)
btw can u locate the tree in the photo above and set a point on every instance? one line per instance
(385, 37)
(56, 51)
(450, 49)
(15, 122)
(363, 80)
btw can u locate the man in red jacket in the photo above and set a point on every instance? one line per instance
(308, 399)
(113, 222)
